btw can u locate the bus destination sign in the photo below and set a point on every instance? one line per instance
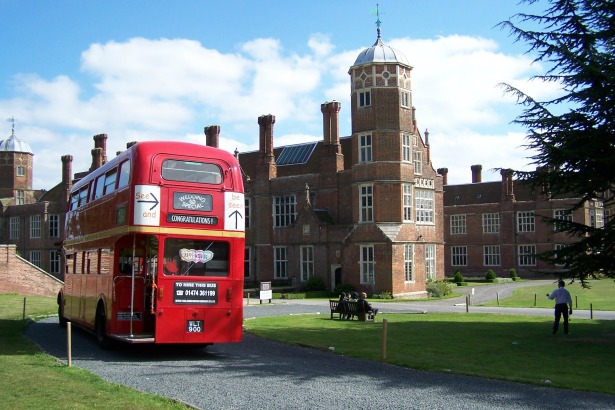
(204, 293)
(192, 219)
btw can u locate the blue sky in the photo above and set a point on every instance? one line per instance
(152, 69)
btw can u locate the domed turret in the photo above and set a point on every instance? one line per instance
(14, 144)
(380, 53)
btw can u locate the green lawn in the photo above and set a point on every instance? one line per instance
(600, 296)
(30, 379)
(516, 348)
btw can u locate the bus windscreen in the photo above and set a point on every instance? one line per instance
(191, 171)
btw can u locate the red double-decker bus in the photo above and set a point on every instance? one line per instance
(154, 247)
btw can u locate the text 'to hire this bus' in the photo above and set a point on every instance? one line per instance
(154, 247)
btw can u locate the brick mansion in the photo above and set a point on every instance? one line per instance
(367, 210)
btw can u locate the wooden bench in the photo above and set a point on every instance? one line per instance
(352, 308)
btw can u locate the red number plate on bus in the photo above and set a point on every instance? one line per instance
(194, 326)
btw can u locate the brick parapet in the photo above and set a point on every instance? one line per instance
(17, 275)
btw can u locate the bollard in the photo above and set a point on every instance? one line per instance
(69, 350)
(497, 297)
(248, 298)
(24, 308)
(384, 339)
(534, 300)
(467, 304)
(576, 302)
(591, 310)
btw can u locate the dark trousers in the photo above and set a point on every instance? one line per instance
(561, 309)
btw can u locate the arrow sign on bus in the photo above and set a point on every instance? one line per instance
(237, 215)
(155, 201)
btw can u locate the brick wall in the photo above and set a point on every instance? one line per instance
(19, 276)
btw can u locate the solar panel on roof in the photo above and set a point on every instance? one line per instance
(296, 154)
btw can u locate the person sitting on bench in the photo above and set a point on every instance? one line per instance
(367, 307)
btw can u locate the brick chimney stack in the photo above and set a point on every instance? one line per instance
(331, 159)
(67, 171)
(476, 173)
(212, 136)
(97, 158)
(100, 141)
(508, 193)
(444, 173)
(266, 160)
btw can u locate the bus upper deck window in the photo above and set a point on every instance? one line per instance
(191, 171)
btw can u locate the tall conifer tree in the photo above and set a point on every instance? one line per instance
(573, 135)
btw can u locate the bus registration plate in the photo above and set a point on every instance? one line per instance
(194, 326)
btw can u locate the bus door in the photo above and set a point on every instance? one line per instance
(194, 292)
(129, 291)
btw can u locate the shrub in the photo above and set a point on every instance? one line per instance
(314, 283)
(512, 273)
(382, 295)
(343, 287)
(438, 289)
(458, 278)
(503, 280)
(490, 276)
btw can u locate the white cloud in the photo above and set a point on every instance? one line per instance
(171, 88)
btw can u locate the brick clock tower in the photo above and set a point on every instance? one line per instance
(16, 160)
(397, 194)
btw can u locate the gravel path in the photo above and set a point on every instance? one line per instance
(262, 374)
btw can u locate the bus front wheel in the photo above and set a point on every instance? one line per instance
(101, 328)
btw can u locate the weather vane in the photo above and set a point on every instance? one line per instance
(12, 120)
(376, 13)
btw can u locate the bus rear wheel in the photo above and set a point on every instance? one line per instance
(61, 319)
(101, 328)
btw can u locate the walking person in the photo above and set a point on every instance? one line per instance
(563, 305)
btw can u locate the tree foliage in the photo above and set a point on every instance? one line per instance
(573, 134)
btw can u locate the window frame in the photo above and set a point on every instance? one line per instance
(491, 222)
(366, 203)
(430, 261)
(284, 210)
(407, 204)
(306, 253)
(409, 262)
(364, 99)
(34, 257)
(459, 255)
(14, 227)
(526, 255)
(425, 211)
(367, 264)
(526, 221)
(55, 261)
(365, 148)
(280, 262)
(492, 255)
(458, 224)
(54, 225)
(417, 158)
(35, 226)
(406, 148)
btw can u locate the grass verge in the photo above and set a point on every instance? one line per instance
(30, 379)
(599, 296)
